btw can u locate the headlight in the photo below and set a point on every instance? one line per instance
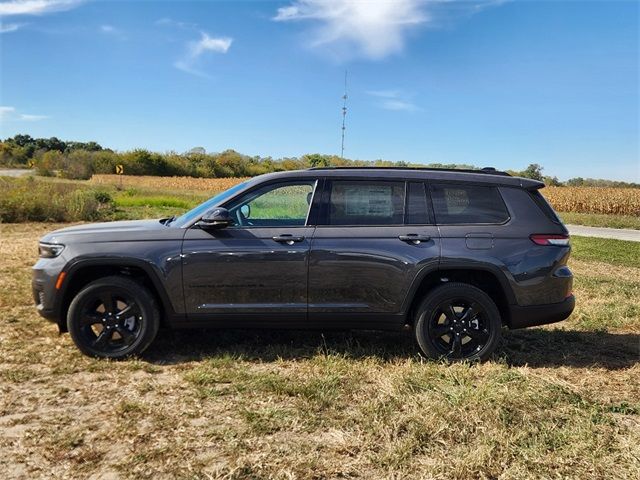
(49, 250)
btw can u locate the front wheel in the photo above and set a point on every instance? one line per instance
(457, 321)
(113, 317)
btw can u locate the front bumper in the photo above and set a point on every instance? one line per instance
(523, 317)
(45, 296)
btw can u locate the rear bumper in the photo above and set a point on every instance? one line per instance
(522, 317)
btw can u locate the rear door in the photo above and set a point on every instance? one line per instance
(373, 237)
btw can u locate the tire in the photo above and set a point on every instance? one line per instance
(113, 317)
(470, 330)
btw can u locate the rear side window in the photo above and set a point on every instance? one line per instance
(544, 206)
(459, 203)
(366, 203)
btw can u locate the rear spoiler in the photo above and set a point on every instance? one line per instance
(530, 184)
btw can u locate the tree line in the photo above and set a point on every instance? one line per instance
(80, 160)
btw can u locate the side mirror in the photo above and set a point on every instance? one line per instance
(217, 218)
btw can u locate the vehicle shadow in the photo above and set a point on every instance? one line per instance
(536, 347)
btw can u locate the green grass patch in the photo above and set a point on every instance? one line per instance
(614, 252)
(601, 220)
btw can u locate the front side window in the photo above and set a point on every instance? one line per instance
(277, 205)
(464, 204)
(366, 203)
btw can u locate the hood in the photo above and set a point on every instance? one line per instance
(106, 231)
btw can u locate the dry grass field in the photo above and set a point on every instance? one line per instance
(556, 402)
(167, 183)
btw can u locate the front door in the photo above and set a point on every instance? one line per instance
(257, 266)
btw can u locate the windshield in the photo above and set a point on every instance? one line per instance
(200, 210)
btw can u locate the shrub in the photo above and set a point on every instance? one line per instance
(28, 199)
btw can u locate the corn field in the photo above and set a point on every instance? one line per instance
(168, 183)
(613, 201)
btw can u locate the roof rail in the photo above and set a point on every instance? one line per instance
(485, 170)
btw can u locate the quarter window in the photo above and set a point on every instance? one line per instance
(366, 203)
(454, 204)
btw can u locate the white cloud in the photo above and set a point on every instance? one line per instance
(112, 31)
(11, 114)
(36, 7)
(372, 29)
(384, 93)
(10, 27)
(169, 22)
(6, 112)
(375, 29)
(398, 105)
(196, 49)
(394, 100)
(211, 44)
(32, 118)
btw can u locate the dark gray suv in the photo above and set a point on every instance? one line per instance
(455, 255)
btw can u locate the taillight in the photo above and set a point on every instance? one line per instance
(549, 239)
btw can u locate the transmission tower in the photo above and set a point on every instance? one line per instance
(344, 113)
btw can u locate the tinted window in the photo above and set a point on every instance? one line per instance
(467, 204)
(274, 205)
(417, 212)
(544, 206)
(366, 203)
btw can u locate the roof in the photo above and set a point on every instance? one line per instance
(493, 177)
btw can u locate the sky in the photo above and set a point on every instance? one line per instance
(489, 82)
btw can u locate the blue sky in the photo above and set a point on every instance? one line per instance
(501, 83)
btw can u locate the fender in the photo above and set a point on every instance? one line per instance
(458, 265)
(75, 265)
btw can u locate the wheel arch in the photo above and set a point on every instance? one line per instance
(487, 278)
(82, 272)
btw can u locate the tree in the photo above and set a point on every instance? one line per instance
(533, 171)
(317, 160)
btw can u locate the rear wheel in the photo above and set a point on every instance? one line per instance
(458, 321)
(113, 317)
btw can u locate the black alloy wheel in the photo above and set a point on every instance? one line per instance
(113, 317)
(458, 322)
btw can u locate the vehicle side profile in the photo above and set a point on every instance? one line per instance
(454, 254)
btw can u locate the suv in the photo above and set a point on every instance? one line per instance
(455, 255)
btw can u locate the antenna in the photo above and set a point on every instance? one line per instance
(344, 114)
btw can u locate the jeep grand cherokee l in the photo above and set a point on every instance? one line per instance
(455, 255)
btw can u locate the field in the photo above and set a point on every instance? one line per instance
(555, 402)
(609, 201)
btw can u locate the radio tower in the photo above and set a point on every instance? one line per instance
(344, 113)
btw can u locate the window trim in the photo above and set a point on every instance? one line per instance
(316, 181)
(471, 184)
(430, 213)
(323, 220)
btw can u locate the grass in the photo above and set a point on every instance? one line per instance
(601, 220)
(556, 402)
(614, 252)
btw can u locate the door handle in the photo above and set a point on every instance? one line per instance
(414, 238)
(288, 239)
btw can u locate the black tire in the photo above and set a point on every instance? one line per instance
(457, 321)
(113, 317)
